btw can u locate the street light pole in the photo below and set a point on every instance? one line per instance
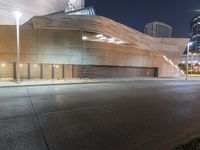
(188, 47)
(17, 17)
(193, 58)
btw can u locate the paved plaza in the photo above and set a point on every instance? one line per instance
(126, 115)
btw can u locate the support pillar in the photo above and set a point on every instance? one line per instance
(63, 71)
(41, 71)
(29, 71)
(14, 71)
(52, 72)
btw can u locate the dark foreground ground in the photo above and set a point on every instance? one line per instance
(134, 115)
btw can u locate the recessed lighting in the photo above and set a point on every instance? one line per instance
(99, 35)
(111, 40)
(103, 38)
(119, 42)
(84, 38)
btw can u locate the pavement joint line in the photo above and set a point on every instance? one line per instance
(40, 126)
(76, 109)
(18, 117)
(53, 84)
(6, 98)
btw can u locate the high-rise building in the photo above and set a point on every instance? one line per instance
(195, 34)
(158, 29)
(194, 48)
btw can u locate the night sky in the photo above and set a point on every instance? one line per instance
(137, 13)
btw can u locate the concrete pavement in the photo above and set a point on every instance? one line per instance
(137, 114)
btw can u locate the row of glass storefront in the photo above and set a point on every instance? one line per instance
(9, 71)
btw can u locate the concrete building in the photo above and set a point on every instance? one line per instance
(158, 29)
(70, 46)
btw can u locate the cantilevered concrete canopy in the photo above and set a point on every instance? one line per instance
(173, 48)
(30, 8)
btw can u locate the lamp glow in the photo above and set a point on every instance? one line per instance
(17, 14)
(84, 38)
(17, 17)
(188, 49)
(99, 35)
(3, 65)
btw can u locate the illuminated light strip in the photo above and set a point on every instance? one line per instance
(99, 35)
(119, 42)
(103, 38)
(182, 72)
(169, 61)
(177, 67)
(111, 40)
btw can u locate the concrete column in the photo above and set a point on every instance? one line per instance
(52, 72)
(14, 71)
(63, 71)
(29, 71)
(145, 72)
(41, 71)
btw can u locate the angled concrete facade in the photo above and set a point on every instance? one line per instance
(86, 46)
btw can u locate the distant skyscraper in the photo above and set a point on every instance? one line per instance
(158, 29)
(195, 34)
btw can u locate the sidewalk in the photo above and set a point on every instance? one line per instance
(11, 83)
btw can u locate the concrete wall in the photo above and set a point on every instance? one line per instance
(173, 48)
(66, 47)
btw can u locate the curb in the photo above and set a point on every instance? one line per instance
(93, 82)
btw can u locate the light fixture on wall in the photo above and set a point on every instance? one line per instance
(99, 35)
(21, 65)
(3, 65)
(84, 38)
(35, 65)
